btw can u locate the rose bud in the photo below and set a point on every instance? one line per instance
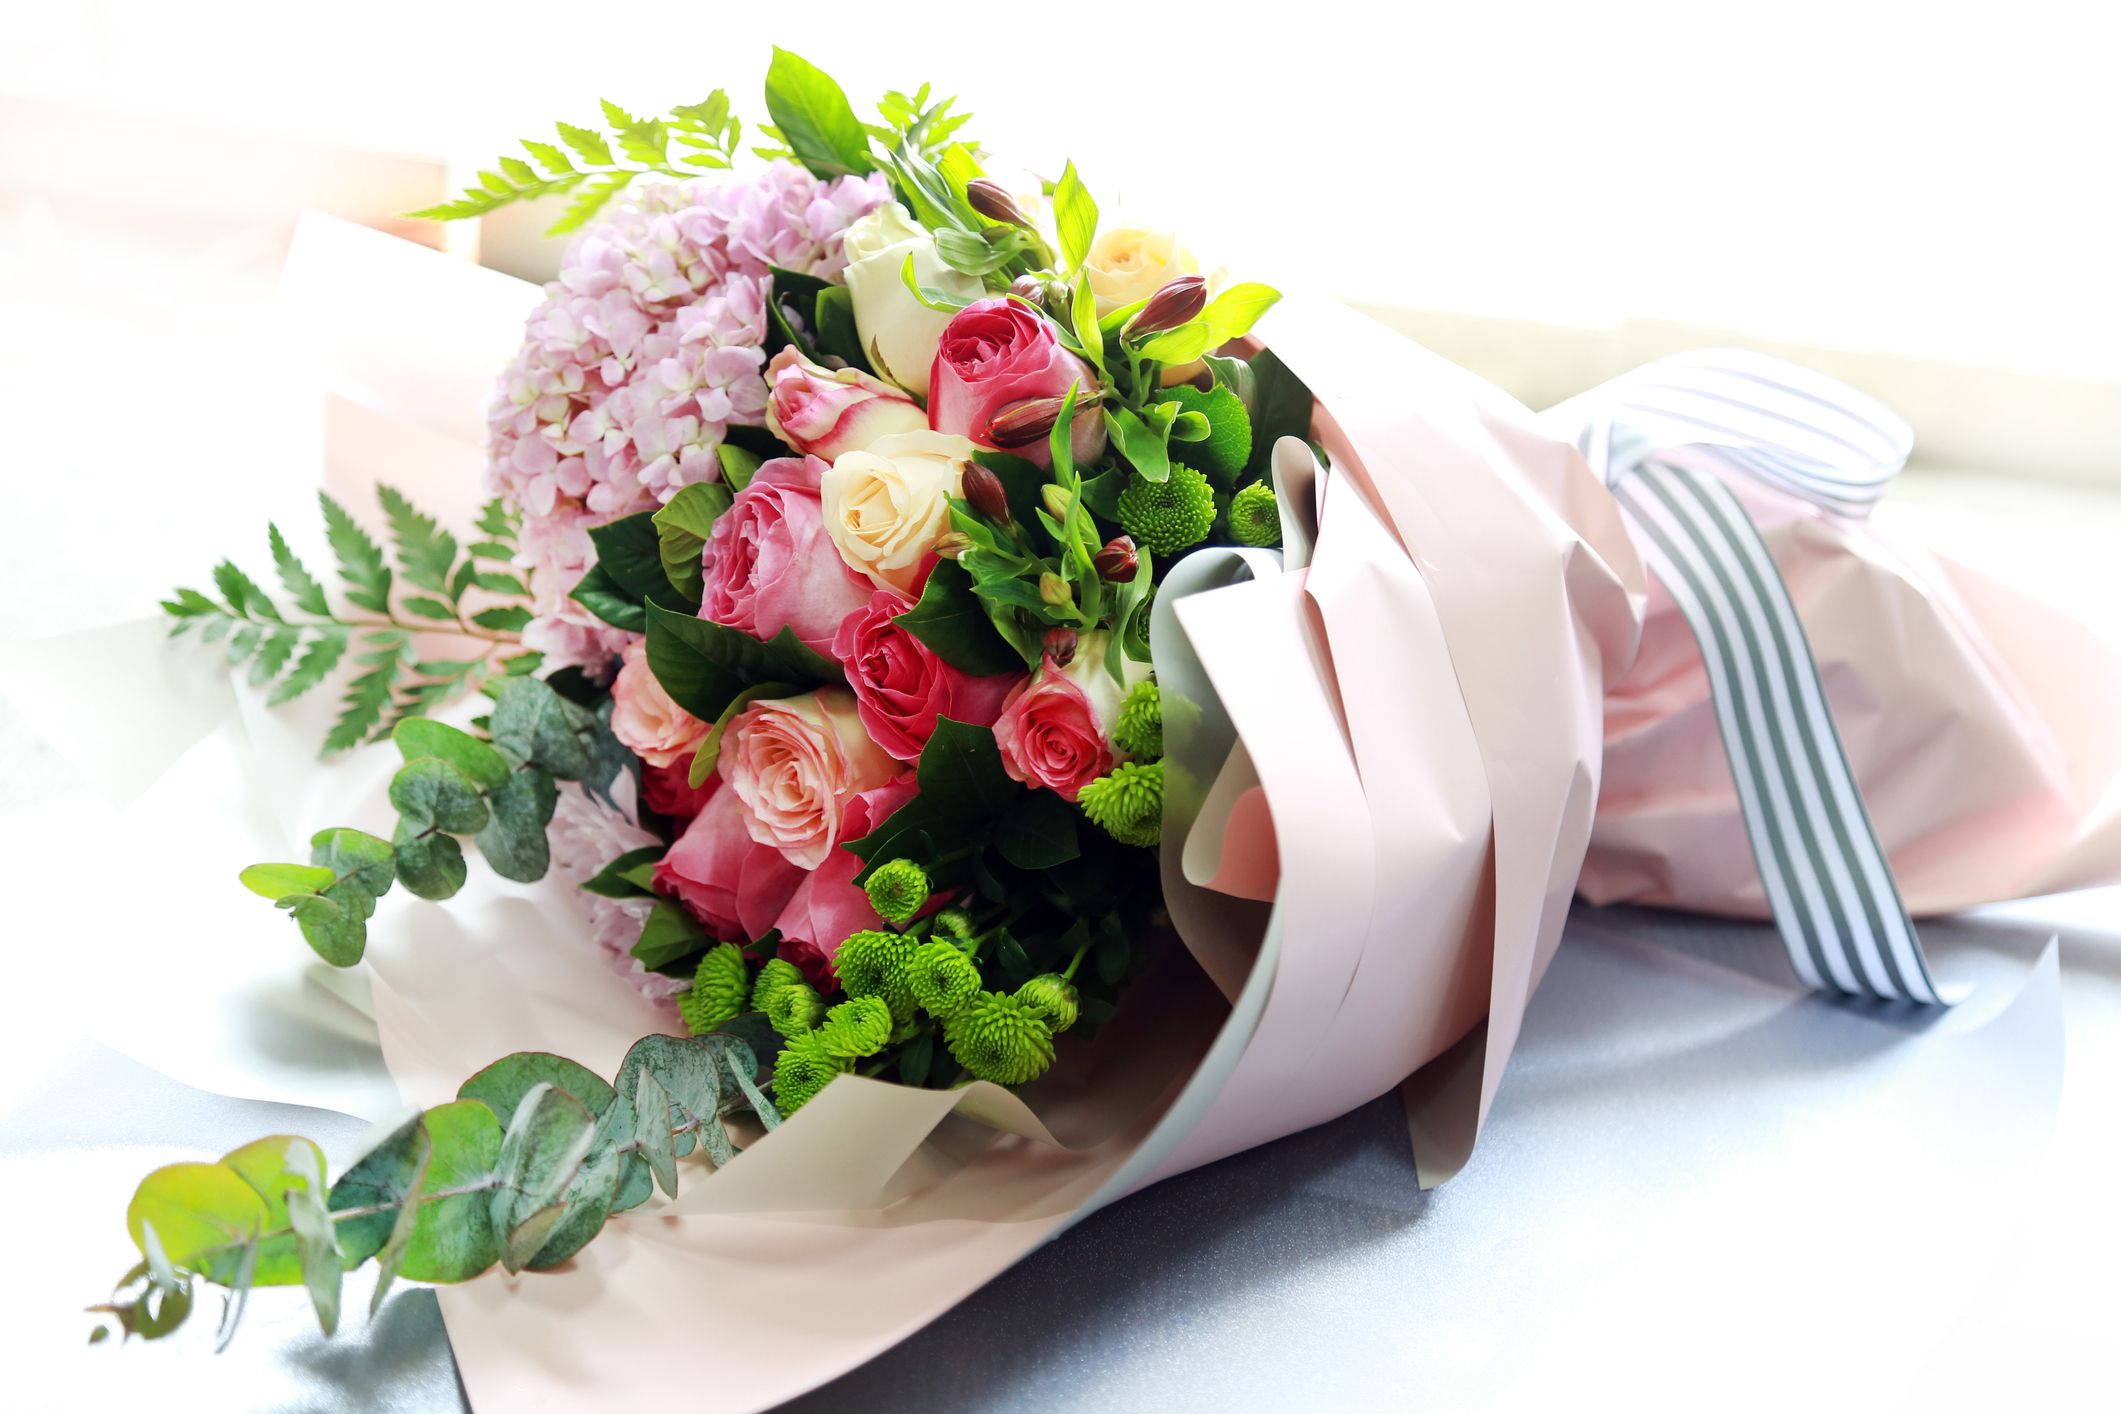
(992, 200)
(983, 489)
(1176, 304)
(1055, 591)
(1117, 562)
(1059, 644)
(1057, 501)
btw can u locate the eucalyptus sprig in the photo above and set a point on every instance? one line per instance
(522, 1169)
(296, 649)
(453, 786)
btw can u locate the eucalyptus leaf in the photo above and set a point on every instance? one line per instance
(322, 1269)
(431, 866)
(431, 794)
(335, 932)
(452, 1236)
(543, 1148)
(367, 1196)
(277, 881)
(533, 725)
(422, 736)
(514, 840)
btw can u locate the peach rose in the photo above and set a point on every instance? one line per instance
(797, 764)
(645, 719)
(886, 505)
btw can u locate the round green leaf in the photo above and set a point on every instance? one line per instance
(421, 736)
(278, 881)
(201, 1213)
(432, 794)
(452, 1238)
(432, 866)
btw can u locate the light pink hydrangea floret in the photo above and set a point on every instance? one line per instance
(585, 835)
(648, 346)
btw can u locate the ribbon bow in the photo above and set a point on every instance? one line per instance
(1668, 438)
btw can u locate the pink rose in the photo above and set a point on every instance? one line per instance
(644, 718)
(995, 356)
(726, 879)
(900, 686)
(827, 907)
(825, 411)
(668, 790)
(1053, 731)
(770, 565)
(798, 764)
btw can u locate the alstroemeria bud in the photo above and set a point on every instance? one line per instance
(1176, 304)
(1117, 562)
(1023, 424)
(1055, 591)
(992, 200)
(1057, 501)
(984, 490)
(1050, 296)
(1059, 644)
(952, 543)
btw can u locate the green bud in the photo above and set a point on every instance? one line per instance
(795, 1009)
(1138, 730)
(719, 988)
(1057, 500)
(1054, 998)
(1128, 804)
(897, 891)
(1055, 591)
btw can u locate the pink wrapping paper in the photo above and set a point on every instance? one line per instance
(1393, 770)
(1979, 720)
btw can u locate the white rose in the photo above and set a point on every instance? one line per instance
(1129, 263)
(886, 504)
(898, 332)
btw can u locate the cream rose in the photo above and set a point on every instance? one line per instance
(1129, 263)
(886, 504)
(897, 330)
(799, 764)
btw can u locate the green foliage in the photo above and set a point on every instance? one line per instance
(705, 666)
(689, 140)
(1222, 454)
(813, 117)
(953, 622)
(1074, 218)
(293, 651)
(522, 1169)
(682, 528)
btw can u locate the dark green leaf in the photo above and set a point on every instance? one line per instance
(611, 880)
(376, 1183)
(430, 793)
(301, 586)
(704, 665)
(336, 932)
(1038, 832)
(682, 528)
(597, 592)
(669, 935)
(629, 551)
(361, 861)
(425, 551)
(431, 866)
(420, 736)
(951, 620)
(544, 1146)
(533, 725)
(514, 842)
(360, 559)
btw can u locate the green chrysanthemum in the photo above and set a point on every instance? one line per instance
(1255, 517)
(1166, 516)
(719, 987)
(1054, 998)
(856, 1028)
(952, 923)
(803, 1068)
(898, 890)
(874, 963)
(1139, 728)
(776, 975)
(1128, 804)
(999, 1038)
(794, 1009)
(1229, 442)
(943, 979)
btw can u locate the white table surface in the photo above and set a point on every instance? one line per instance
(1698, 1188)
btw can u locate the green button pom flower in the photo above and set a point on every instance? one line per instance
(943, 979)
(803, 1068)
(1255, 516)
(776, 975)
(874, 963)
(794, 1009)
(1139, 728)
(1128, 804)
(719, 988)
(898, 890)
(998, 1038)
(856, 1028)
(1054, 998)
(1168, 515)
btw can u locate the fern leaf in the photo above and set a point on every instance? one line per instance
(425, 550)
(301, 585)
(245, 599)
(360, 558)
(273, 652)
(315, 664)
(549, 157)
(588, 144)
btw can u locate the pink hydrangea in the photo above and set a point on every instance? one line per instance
(648, 346)
(585, 835)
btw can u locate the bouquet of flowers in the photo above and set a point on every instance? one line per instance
(1012, 734)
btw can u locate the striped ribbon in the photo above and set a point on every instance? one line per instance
(1668, 438)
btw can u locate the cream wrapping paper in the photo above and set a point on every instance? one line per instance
(1979, 720)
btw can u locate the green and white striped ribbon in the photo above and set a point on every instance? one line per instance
(1669, 438)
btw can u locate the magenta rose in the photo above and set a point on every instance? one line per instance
(770, 565)
(826, 411)
(827, 907)
(1000, 359)
(901, 687)
(730, 882)
(668, 790)
(1054, 730)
